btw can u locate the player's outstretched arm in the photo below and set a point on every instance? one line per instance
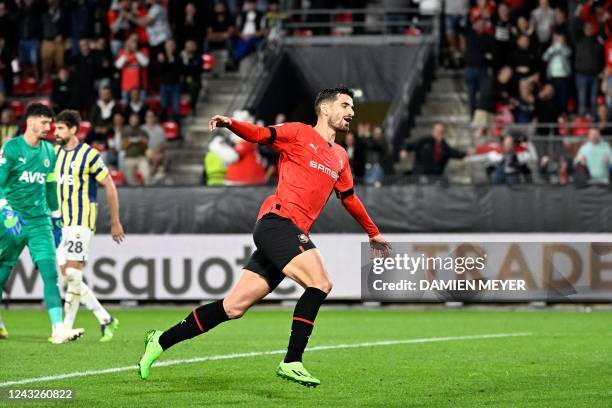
(247, 131)
(113, 205)
(379, 245)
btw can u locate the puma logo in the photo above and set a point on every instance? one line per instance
(314, 147)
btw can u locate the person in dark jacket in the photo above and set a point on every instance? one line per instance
(589, 64)
(432, 153)
(170, 67)
(478, 57)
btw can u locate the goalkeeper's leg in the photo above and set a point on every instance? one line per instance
(5, 272)
(249, 289)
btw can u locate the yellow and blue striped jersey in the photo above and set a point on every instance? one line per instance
(78, 172)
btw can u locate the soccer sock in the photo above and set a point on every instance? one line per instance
(74, 279)
(51, 293)
(201, 320)
(92, 303)
(304, 316)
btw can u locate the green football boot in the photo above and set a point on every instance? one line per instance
(108, 330)
(152, 351)
(296, 372)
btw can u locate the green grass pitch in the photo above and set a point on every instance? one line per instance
(565, 361)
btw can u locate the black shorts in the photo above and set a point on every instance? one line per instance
(278, 241)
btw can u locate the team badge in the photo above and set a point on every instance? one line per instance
(73, 165)
(78, 236)
(47, 163)
(303, 238)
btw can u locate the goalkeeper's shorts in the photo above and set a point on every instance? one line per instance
(278, 241)
(37, 234)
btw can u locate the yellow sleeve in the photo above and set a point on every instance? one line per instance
(97, 168)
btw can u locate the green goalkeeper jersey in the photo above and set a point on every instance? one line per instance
(27, 177)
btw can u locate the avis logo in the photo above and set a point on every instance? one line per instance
(66, 179)
(33, 177)
(324, 169)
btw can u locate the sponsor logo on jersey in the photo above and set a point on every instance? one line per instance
(33, 177)
(66, 178)
(323, 168)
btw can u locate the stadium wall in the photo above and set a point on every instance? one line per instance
(396, 209)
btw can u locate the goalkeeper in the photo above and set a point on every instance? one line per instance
(28, 195)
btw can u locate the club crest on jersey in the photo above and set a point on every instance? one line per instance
(303, 238)
(74, 165)
(47, 163)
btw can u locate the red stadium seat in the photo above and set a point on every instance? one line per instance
(46, 88)
(208, 62)
(580, 126)
(171, 130)
(154, 104)
(185, 107)
(30, 86)
(488, 147)
(118, 177)
(18, 108)
(84, 129)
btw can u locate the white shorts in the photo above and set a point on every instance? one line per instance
(74, 245)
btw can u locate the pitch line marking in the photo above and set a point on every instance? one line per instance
(258, 354)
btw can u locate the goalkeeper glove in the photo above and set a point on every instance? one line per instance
(11, 221)
(58, 224)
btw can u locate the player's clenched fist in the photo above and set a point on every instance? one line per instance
(219, 121)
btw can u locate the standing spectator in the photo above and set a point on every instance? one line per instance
(8, 127)
(30, 33)
(133, 63)
(80, 22)
(105, 70)
(432, 153)
(561, 26)
(134, 142)
(61, 95)
(170, 80)
(478, 55)
(522, 27)
(156, 151)
(115, 154)
(251, 31)
(376, 156)
(524, 111)
(481, 16)
(219, 33)
(191, 27)
(456, 19)
(589, 63)
(559, 69)
(356, 151)
(546, 109)
(8, 29)
(53, 31)
(523, 59)
(493, 90)
(6, 70)
(121, 24)
(136, 105)
(101, 116)
(595, 155)
(543, 20)
(156, 23)
(192, 72)
(509, 167)
(85, 67)
(503, 37)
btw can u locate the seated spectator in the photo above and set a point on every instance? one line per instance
(101, 116)
(134, 142)
(588, 65)
(136, 105)
(192, 72)
(133, 63)
(603, 121)
(509, 169)
(524, 111)
(250, 31)
(61, 94)
(170, 66)
(115, 154)
(156, 151)
(8, 127)
(54, 30)
(559, 68)
(432, 153)
(595, 155)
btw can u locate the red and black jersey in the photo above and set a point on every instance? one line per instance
(310, 169)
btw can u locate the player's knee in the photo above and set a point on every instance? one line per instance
(324, 285)
(234, 310)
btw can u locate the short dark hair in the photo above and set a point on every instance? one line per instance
(38, 109)
(70, 118)
(331, 94)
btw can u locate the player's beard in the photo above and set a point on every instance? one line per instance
(338, 125)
